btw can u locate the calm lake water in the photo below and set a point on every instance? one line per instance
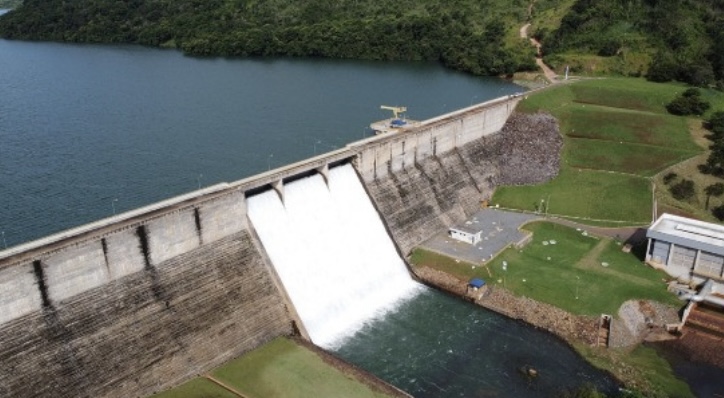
(85, 129)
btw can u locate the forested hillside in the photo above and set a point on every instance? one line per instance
(468, 35)
(676, 39)
(10, 3)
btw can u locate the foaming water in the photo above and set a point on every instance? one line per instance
(439, 346)
(332, 254)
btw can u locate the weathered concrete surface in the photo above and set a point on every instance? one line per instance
(432, 193)
(148, 330)
(500, 229)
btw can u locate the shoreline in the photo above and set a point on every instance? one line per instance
(577, 331)
(573, 329)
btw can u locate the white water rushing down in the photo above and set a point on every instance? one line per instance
(332, 253)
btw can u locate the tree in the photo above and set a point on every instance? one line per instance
(718, 212)
(715, 124)
(716, 190)
(715, 161)
(682, 190)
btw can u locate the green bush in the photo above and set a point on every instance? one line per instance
(718, 212)
(683, 189)
(715, 124)
(689, 103)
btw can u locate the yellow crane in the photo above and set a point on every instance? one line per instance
(396, 110)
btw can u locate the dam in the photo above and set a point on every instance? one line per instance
(138, 302)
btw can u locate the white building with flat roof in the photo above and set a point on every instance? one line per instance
(466, 234)
(687, 249)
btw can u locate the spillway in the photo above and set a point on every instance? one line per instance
(332, 253)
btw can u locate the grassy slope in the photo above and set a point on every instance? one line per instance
(197, 388)
(280, 368)
(616, 134)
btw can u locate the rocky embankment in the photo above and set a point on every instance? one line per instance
(528, 149)
(637, 320)
(569, 327)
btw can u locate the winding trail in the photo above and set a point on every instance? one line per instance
(547, 71)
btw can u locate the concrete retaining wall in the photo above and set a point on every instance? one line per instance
(137, 309)
(429, 195)
(433, 137)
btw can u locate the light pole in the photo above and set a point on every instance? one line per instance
(198, 179)
(578, 278)
(268, 161)
(113, 205)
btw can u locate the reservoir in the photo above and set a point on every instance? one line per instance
(89, 131)
(86, 130)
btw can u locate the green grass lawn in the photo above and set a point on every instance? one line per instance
(280, 368)
(585, 193)
(644, 160)
(568, 274)
(619, 125)
(616, 125)
(645, 366)
(197, 388)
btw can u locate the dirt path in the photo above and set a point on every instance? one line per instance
(548, 72)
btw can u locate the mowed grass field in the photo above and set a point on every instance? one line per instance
(567, 268)
(280, 368)
(617, 135)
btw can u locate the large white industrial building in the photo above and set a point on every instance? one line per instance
(690, 250)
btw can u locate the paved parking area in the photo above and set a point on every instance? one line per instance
(500, 228)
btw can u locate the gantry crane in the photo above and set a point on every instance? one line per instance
(396, 110)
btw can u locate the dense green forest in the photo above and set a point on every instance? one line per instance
(661, 39)
(681, 39)
(10, 3)
(466, 35)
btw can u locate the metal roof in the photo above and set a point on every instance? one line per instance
(476, 282)
(688, 232)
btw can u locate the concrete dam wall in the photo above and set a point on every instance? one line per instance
(136, 303)
(136, 307)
